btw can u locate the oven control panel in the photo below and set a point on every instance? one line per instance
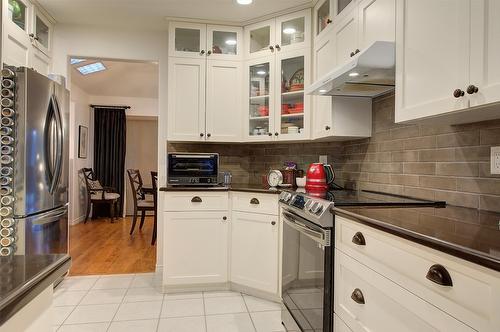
(304, 203)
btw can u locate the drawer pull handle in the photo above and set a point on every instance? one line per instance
(273, 223)
(357, 296)
(224, 218)
(196, 199)
(359, 239)
(439, 275)
(254, 201)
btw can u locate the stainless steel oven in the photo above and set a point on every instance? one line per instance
(307, 270)
(193, 169)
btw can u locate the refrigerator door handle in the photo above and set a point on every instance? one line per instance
(50, 220)
(60, 142)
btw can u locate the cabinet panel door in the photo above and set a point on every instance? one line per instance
(42, 31)
(40, 62)
(224, 101)
(195, 247)
(324, 61)
(485, 51)
(260, 39)
(293, 31)
(377, 21)
(254, 251)
(186, 102)
(322, 17)
(16, 43)
(432, 53)
(224, 43)
(345, 36)
(187, 40)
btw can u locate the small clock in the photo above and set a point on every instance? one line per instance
(274, 178)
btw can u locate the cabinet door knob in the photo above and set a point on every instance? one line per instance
(271, 48)
(202, 52)
(209, 52)
(196, 199)
(209, 135)
(224, 218)
(328, 21)
(357, 296)
(327, 128)
(278, 47)
(202, 134)
(471, 89)
(352, 54)
(439, 275)
(276, 134)
(359, 239)
(458, 93)
(254, 201)
(273, 223)
(270, 134)
(357, 51)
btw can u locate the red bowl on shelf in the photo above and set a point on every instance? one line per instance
(295, 110)
(285, 109)
(263, 110)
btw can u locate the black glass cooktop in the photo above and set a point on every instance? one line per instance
(370, 198)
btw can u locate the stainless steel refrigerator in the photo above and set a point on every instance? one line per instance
(34, 164)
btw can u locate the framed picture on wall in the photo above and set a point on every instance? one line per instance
(83, 137)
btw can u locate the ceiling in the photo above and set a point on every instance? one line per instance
(124, 79)
(152, 13)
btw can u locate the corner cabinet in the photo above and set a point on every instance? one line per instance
(447, 55)
(26, 36)
(205, 83)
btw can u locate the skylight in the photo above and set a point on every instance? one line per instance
(74, 61)
(91, 68)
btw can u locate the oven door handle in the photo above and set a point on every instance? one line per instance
(321, 237)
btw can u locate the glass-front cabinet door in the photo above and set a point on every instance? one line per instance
(323, 17)
(292, 116)
(224, 42)
(187, 40)
(260, 39)
(260, 124)
(340, 5)
(293, 31)
(18, 12)
(42, 33)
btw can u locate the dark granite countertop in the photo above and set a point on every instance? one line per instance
(253, 188)
(470, 234)
(22, 278)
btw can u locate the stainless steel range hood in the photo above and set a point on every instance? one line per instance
(369, 74)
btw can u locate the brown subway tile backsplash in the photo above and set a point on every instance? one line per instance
(449, 163)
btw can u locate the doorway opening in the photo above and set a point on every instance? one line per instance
(102, 245)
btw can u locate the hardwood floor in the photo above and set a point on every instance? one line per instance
(101, 247)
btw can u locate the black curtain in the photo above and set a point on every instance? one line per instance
(110, 128)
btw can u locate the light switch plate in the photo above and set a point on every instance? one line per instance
(495, 160)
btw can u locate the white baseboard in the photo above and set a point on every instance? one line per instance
(77, 221)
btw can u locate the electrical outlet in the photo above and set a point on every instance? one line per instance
(495, 160)
(323, 159)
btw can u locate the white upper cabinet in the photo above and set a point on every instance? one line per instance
(224, 101)
(293, 31)
(485, 52)
(260, 39)
(186, 99)
(345, 37)
(224, 43)
(433, 50)
(376, 22)
(42, 32)
(322, 17)
(187, 39)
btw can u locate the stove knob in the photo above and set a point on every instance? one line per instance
(319, 210)
(314, 206)
(308, 204)
(290, 197)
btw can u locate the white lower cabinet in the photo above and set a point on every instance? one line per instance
(367, 301)
(254, 250)
(196, 248)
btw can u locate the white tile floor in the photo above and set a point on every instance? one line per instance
(131, 303)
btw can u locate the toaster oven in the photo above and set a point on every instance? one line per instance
(193, 169)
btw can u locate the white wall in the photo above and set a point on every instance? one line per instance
(80, 115)
(119, 43)
(140, 106)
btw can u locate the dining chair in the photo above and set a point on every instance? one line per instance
(154, 182)
(98, 194)
(141, 204)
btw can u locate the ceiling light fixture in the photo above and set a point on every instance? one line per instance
(74, 61)
(261, 72)
(244, 2)
(231, 42)
(322, 91)
(353, 74)
(289, 31)
(91, 68)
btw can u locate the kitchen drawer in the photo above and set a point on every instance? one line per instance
(366, 301)
(196, 201)
(474, 297)
(255, 203)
